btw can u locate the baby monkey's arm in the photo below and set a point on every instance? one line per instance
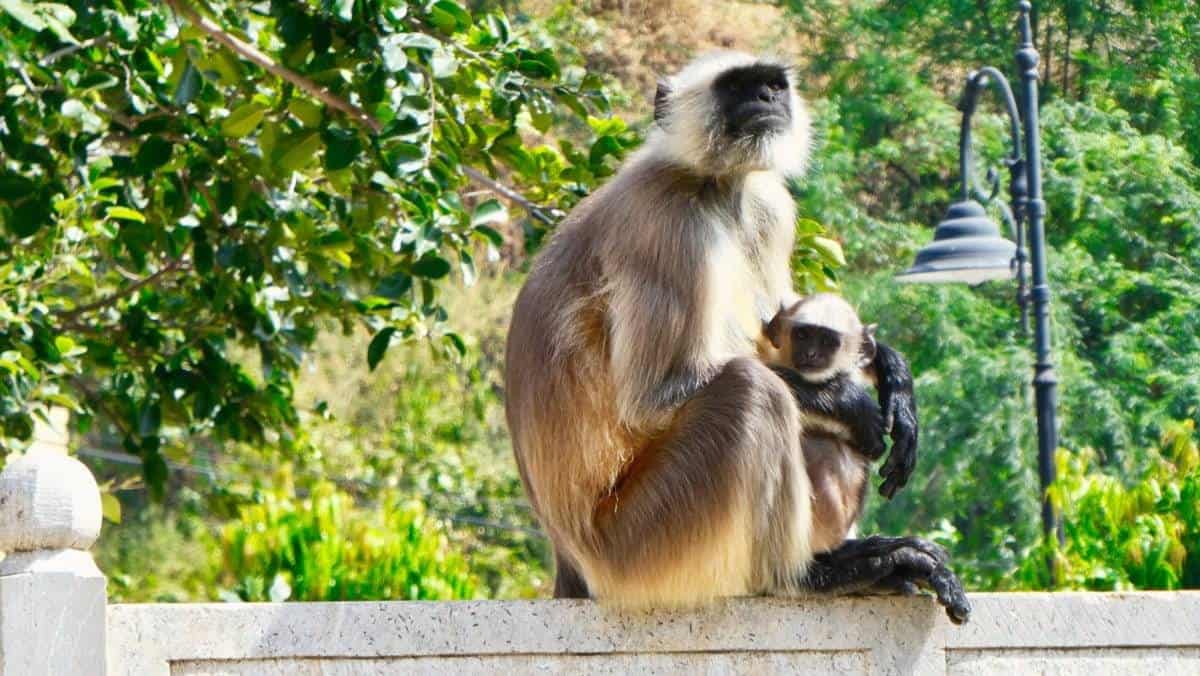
(844, 401)
(894, 380)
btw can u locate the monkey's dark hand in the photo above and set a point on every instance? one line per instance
(845, 401)
(903, 564)
(858, 411)
(899, 418)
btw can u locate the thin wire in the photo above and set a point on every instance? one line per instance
(212, 474)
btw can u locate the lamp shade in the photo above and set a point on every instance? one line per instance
(966, 247)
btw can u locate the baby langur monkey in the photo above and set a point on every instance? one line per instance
(826, 355)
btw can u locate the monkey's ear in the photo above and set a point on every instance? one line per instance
(869, 346)
(773, 330)
(661, 97)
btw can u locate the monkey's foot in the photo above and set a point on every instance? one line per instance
(899, 564)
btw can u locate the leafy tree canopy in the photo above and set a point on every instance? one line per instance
(183, 180)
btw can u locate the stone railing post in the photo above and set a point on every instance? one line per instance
(52, 595)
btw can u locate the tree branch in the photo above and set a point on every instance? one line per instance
(253, 55)
(362, 117)
(70, 316)
(71, 49)
(525, 203)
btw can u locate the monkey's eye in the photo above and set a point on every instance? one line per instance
(778, 85)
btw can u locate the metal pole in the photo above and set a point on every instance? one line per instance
(1044, 381)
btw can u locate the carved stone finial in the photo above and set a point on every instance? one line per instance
(49, 506)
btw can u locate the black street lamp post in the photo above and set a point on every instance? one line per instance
(967, 245)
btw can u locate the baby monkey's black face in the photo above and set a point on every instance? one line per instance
(814, 347)
(754, 100)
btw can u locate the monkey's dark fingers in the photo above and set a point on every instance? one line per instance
(921, 569)
(905, 433)
(898, 584)
(931, 548)
(895, 473)
(859, 565)
(889, 487)
(871, 442)
(889, 414)
(950, 594)
(899, 466)
(892, 484)
(884, 544)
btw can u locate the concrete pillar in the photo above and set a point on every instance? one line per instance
(52, 595)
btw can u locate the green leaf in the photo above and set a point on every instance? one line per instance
(155, 472)
(394, 286)
(830, 249)
(417, 41)
(150, 420)
(96, 81)
(25, 13)
(57, 17)
(60, 399)
(457, 342)
(379, 346)
(342, 146)
(307, 111)
(449, 16)
(29, 217)
(298, 151)
(343, 9)
(110, 507)
(335, 241)
(407, 158)
(606, 126)
(431, 266)
(536, 69)
(243, 120)
(154, 153)
(76, 110)
(489, 212)
(466, 265)
(604, 146)
(443, 64)
(394, 58)
(64, 344)
(189, 85)
(15, 186)
(807, 226)
(125, 214)
(490, 235)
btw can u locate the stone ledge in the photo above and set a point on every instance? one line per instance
(1062, 632)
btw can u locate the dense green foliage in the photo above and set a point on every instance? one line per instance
(423, 428)
(322, 548)
(179, 180)
(1118, 536)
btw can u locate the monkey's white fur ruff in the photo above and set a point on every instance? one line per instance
(694, 139)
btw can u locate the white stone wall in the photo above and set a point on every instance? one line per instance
(1009, 634)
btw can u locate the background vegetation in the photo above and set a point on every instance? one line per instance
(266, 252)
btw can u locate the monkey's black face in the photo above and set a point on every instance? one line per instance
(754, 100)
(814, 347)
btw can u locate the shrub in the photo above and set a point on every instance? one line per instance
(322, 547)
(1143, 534)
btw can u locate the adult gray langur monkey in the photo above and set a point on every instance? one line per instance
(662, 456)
